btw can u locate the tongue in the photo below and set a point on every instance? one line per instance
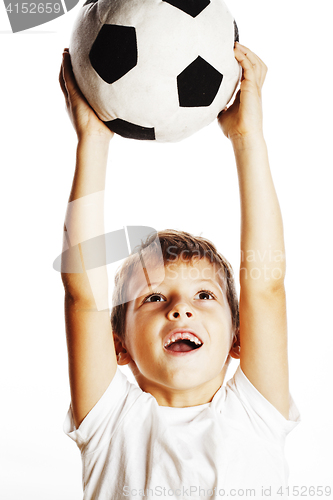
(181, 346)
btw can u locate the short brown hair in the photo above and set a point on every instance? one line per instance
(176, 244)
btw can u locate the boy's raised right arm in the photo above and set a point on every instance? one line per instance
(91, 353)
(262, 305)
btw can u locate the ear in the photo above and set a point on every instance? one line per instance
(123, 356)
(235, 348)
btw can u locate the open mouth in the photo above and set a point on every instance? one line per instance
(183, 342)
(183, 346)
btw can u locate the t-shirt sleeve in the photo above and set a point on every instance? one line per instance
(104, 416)
(261, 413)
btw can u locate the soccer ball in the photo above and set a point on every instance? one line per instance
(155, 69)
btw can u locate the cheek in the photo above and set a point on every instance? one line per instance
(220, 354)
(224, 324)
(140, 337)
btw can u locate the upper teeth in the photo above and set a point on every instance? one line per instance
(182, 336)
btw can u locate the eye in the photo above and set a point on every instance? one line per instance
(205, 295)
(154, 297)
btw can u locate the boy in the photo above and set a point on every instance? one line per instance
(180, 432)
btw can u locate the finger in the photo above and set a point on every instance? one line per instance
(73, 91)
(63, 86)
(62, 81)
(247, 66)
(249, 54)
(68, 73)
(259, 66)
(264, 70)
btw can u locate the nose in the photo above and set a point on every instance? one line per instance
(179, 311)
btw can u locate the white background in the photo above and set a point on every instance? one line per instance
(191, 186)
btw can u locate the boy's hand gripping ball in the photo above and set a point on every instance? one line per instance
(155, 69)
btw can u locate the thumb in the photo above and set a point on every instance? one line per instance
(232, 106)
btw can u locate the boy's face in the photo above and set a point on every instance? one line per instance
(179, 334)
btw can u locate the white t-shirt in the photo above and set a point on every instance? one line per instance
(133, 448)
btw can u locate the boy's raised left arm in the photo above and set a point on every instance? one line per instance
(262, 306)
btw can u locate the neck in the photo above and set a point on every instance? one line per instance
(182, 397)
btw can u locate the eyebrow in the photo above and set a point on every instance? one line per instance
(204, 279)
(209, 280)
(147, 287)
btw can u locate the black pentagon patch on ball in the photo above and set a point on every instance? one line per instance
(88, 2)
(130, 130)
(236, 32)
(190, 7)
(198, 84)
(114, 52)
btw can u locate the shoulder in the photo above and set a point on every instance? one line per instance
(120, 397)
(245, 407)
